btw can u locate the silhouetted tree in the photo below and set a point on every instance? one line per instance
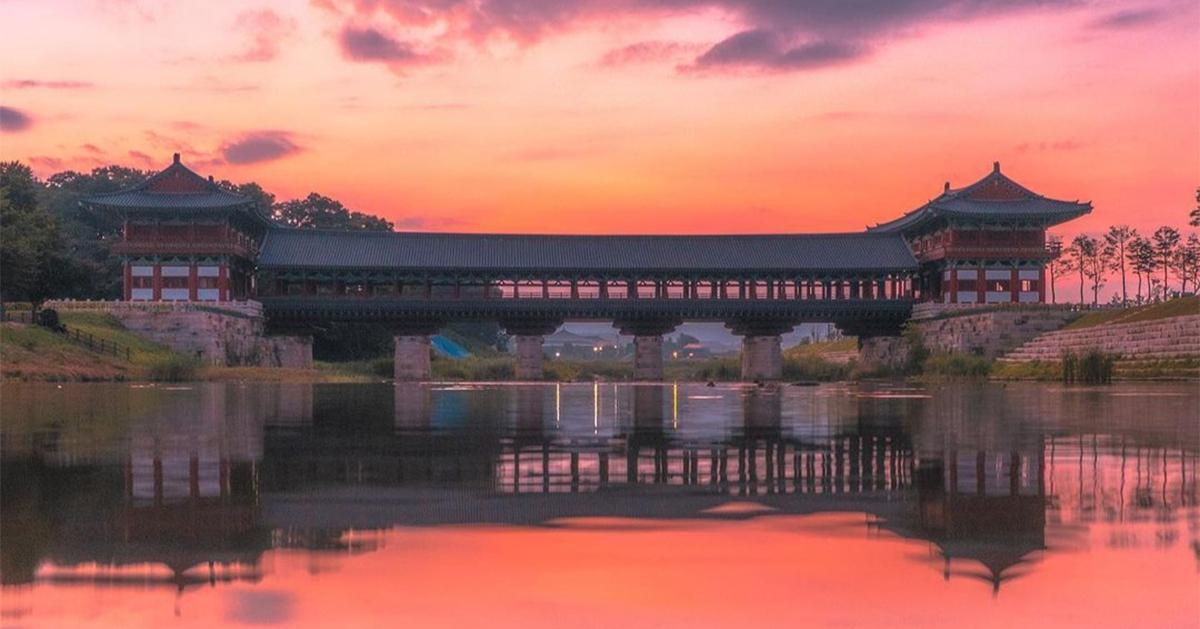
(1083, 249)
(1141, 260)
(1055, 267)
(1166, 239)
(1187, 259)
(1194, 218)
(321, 212)
(1116, 244)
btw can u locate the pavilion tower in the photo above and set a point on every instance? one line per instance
(185, 238)
(985, 243)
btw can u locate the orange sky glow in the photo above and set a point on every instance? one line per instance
(623, 116)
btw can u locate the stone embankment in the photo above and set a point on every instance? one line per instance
(1137, 346)
(221, 334)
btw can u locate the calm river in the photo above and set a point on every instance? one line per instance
(582, 505)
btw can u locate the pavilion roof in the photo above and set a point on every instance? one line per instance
(377, 250)
(993, 199)
(175, 188)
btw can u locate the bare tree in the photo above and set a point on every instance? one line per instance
(1141, 260)
(1166, 240)
(1187, 258)
(1082, 250)
(1056, 267)
(1194, 217)
(1116, 245)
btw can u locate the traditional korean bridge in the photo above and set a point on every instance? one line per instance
(186, 238)
(759, 286)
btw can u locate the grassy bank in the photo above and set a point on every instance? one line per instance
(1173, 308)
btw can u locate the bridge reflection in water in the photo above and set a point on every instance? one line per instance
(206, 480)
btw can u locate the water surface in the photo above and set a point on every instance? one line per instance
(597, 504)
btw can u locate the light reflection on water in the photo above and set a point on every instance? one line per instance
(599, 503)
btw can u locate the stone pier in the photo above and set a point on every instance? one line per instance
(762, 358)
(529, 356)
(290, 351)
(527, 336)
(647, 346)
(648, 357)
(412, 358)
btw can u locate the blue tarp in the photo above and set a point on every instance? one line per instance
(445, 347)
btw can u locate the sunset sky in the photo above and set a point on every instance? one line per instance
(700, 116)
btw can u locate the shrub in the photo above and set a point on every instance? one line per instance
(814, 368)
(1094, 367)
(956, 366)
(173, 368)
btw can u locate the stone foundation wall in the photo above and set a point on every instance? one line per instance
(216, 336)
(989, 334)
(882, 352)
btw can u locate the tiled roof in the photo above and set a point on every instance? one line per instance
(175, 188)
(995, 198)
(415, 251)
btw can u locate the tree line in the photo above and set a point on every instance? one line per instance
(50, 247)
(1153, 260)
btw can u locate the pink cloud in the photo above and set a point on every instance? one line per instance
(266, 30)
(259, 146)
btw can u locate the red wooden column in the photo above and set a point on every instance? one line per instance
(1042, 285)
(1015, 286)
(157, 282)
(953, 285)
(222, 282)
(128, 283)
(193, 283)
(981, 286)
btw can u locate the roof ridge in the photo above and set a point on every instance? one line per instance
(394, 233)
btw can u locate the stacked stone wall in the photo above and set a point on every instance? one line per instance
(989, 334)
(215, 336)
(1175, 338)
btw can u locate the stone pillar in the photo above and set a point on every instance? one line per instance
(647, 345)
(527, 335)
(762, 358)
(648, 357)
(411, 361)
(290, 351)
(529, 356)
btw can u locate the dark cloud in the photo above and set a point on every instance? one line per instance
(775, 34)
(647, 52)
(764, 49)
(259, 146)
(257, 607)
(92, 148)
(141, 158)
(28, 84)
(370, 44)
(266, 29)
(1129, 18)
(14, 120)
(45, 163)
(424, 222)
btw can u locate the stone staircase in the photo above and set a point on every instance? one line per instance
(1139, 343)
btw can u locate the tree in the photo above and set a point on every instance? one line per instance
(1083, 249)
(1116, 244)
(1056, 266)
(29, 238)
(1166, 239)
(1141, 260)
(1187, 259)
(321, 212)
(1194, 217)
